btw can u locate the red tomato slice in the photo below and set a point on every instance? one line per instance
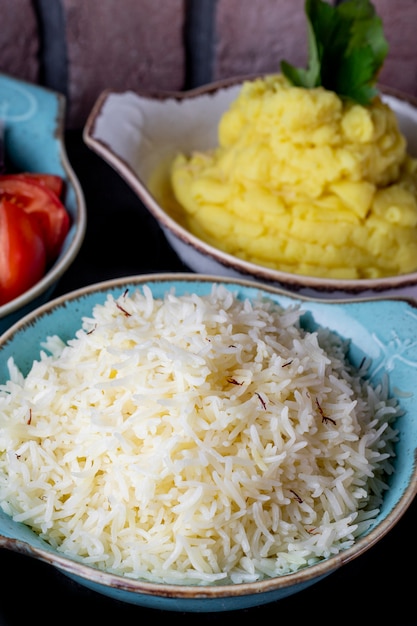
(22, 251)
(35, 198)
(54, 182)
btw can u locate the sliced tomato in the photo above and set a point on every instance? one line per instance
(22, 251)
(54, 182)
(43, 204)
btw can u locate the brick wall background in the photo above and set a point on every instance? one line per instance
(81, 47)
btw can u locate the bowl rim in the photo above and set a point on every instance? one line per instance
(182, 234)
(313, 572)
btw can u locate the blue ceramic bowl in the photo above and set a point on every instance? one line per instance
(383, 330)
(34, 123)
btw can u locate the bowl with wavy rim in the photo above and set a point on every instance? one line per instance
(139, 132)
(379, 330)
(33, 119)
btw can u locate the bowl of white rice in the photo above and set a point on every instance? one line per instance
(205, 444)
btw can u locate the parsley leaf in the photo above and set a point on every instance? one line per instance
(346, 49)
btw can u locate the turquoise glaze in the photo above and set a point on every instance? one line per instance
(34, 120)
(32, 117)
(383, 330)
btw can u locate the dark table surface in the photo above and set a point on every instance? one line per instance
(378, 588)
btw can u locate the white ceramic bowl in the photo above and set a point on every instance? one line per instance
(382, 329)
(137, 131)
(34, 121)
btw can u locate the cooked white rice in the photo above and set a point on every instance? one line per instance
(198, 439)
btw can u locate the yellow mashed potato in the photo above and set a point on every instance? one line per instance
(305, 182)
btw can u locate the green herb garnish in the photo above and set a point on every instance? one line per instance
(346, 49)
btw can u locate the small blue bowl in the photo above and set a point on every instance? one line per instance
(34, 122)
(382, 330)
